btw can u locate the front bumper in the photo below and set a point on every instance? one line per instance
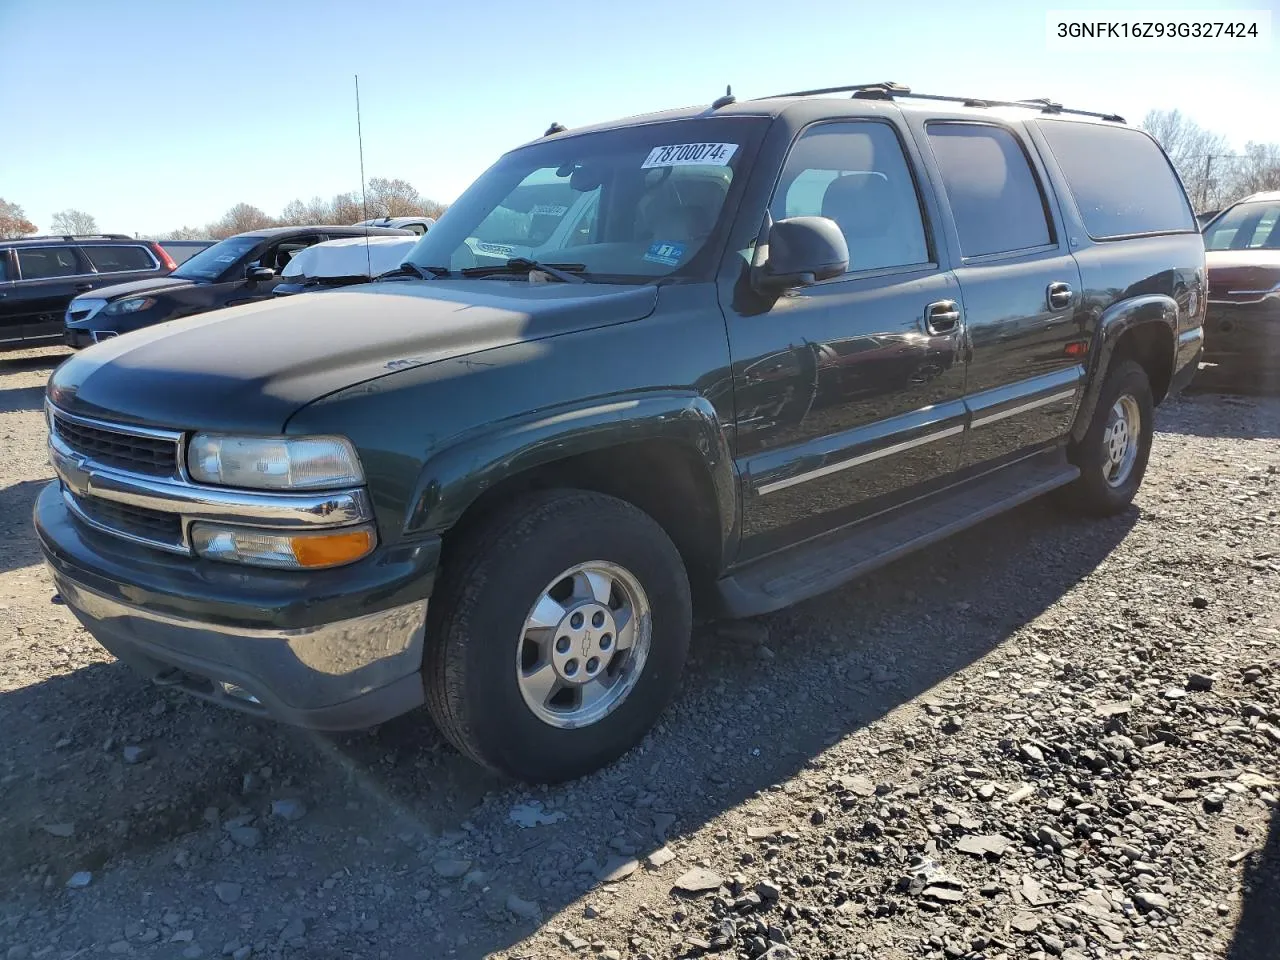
(1244, 337)
(337, 649)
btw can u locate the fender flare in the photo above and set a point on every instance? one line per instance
(456, 474)
(1117, 320)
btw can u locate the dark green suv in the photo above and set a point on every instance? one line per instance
(702, 363)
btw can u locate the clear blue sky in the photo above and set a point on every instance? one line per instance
(151, 114)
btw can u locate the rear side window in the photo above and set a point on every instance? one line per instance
(994, 195)
(43, 263)
(1122, 182)
(4, 266)
(119, 258)
(856, 174)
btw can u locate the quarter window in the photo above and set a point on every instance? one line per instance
(994, 195)
(1122, 183)
(856, 174)
(42, 263)
(118, 259)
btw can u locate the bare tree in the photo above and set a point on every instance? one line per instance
(347, 208)
(71, 221)
(393, 198)
(1193, 150)
(13, 221)
(187, 233)
(1256, 170)
(239, 219)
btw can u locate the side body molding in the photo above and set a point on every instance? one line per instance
(1117, 320)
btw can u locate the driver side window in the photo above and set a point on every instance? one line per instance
(856, 174)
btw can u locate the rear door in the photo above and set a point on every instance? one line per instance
(1019, 283)
(48, 278)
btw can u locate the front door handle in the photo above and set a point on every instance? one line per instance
(1059, 295)
(82, 287)
(942, 316)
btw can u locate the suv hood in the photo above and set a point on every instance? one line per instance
(249, 368)
(136, 287)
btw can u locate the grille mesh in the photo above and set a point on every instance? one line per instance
(114, 448)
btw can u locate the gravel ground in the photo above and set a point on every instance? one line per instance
(1044, 739)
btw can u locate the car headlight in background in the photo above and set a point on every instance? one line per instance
(131, 305)
(274, 463)
(311, 550)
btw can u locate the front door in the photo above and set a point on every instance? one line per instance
(1020, 287)
(48, 279)
(848, 394)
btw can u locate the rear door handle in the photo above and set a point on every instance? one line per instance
(1059, 295)
(942, 316)
(82, 287)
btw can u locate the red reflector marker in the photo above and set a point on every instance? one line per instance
(1076, 348)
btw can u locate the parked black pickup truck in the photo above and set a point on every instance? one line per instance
(777, 344)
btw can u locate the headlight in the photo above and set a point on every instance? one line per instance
(274, 463)
(282, 551)
(132, 305)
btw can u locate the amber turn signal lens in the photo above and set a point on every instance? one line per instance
(332, 549)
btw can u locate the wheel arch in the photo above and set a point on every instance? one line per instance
(665, 453)
(1144, 329)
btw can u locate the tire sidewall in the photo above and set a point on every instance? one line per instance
(511, 736)
(1127, 378)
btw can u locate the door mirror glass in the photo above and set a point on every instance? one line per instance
(803, 250)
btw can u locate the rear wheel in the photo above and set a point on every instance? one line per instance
(1112, 457)
(557, 636)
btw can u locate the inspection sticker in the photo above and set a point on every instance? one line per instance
(668, 254)
(688, 154)
(549, 210)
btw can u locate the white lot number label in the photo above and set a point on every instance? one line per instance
(689, 154)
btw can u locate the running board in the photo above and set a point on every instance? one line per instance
(816, 566)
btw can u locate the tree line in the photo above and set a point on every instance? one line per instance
(383, 197)
(1215, 175)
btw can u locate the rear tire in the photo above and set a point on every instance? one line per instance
(556, 635)
(1113, 455)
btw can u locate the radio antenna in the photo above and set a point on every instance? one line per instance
(364, 197)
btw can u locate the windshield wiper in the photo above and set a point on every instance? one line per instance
(408, 269)
(524, 265)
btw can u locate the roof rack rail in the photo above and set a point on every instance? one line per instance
(890, 90)
(77, 236)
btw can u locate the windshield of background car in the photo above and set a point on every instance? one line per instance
(210, 262)
(1247, 226)
(630, 205)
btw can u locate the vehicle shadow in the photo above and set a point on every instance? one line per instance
(33, 360)
(15, 399)
(1200, 414)
(1258, 931)
(394, 801)
(20, 548)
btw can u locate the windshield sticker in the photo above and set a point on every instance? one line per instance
(498, 248)
(226, 258)
(668, 254)
(549, 210)
(688, 154)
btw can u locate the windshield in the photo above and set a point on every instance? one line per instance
(1247, 226)
(628, 205)
(209, 263)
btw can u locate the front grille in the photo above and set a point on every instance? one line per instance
(153, 456)
(138, 522)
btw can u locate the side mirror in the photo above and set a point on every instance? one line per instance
(802, 250)
(255, 274)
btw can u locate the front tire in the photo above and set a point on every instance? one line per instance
(557, 635)
(1113, 455)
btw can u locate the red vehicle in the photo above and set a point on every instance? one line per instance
(1242, 331)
